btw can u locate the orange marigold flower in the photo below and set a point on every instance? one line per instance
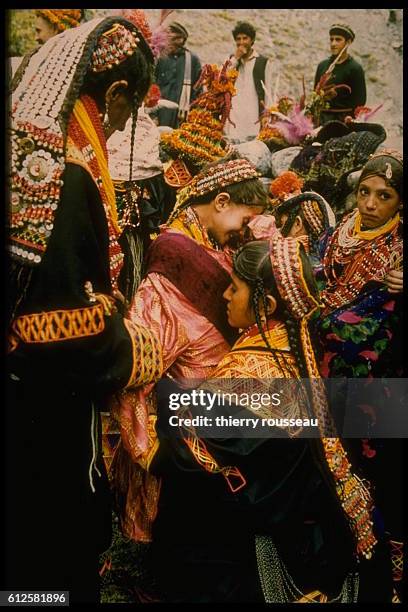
(286, 183)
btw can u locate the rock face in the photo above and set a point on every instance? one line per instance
(296, 40)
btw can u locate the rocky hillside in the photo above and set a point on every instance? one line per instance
(296, 40)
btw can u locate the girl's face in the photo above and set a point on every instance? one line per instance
(377, 202)
(239, 309)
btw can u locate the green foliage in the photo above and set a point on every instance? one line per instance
(380, 345)
(21, 29)
(21, 32)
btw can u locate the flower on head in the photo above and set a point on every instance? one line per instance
(286, 185)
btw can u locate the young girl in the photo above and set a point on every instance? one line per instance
(266, 519)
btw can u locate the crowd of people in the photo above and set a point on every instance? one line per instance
(152, 250)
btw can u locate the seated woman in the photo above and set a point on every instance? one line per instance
(265, 519)
(359, 320)
(362, 317)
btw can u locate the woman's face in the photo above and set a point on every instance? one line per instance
(239, 309)
(376, 201)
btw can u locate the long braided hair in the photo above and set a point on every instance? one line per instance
(252, 264)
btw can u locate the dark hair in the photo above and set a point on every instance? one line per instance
(243, 27)
(380, 166)
(293, 207)
(252, 264)
(292, 212)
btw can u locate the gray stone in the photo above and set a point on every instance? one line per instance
(282, 159)
(258, 153)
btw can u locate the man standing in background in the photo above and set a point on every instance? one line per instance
(345, 71)
(175, 75)
(253, 82)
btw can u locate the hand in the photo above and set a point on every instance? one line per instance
(240, 51)
(329, 92)
(394, 281)
(122, 303)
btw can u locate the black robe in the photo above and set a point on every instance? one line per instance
(58, 514)
(204, 534)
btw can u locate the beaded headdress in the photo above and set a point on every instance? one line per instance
(288, 273)
(61, 19)
(316, 210)
(114, 47)
(156, 38)
(352, 493)
(342, 29)
(42, 103)
(216, 177)
(394, 177)
(199, 140)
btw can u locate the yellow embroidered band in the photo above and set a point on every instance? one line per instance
(60, 324)
(147, 355)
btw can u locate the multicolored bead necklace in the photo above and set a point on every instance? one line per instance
(351, 261)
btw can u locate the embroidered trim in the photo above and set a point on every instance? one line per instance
(147, 355)
(251, 339)
(60, 325)
(206, 460)
(153, 443)
(397, 559)
(353, 494)
(177, 174)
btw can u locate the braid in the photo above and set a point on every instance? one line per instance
(135, 108)
(257, 295)
(289, 222)
(293, 329)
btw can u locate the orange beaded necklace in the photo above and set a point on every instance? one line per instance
(86, 133)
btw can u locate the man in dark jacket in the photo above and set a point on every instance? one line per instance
(345, 71)
(175, 75)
